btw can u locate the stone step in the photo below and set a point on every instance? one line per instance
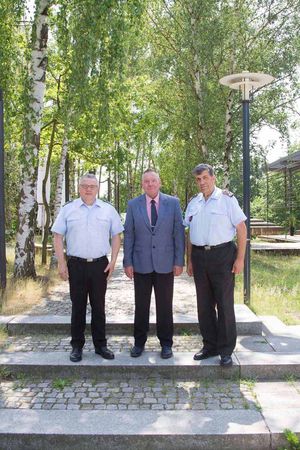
(247, 324)
(137, 430)
(254, 365)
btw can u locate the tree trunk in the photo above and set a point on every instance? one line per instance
(60, 176)
(228, 140)
(24, 252)
(197, 76)
(109, 187)
(59, 188)
(45, 202)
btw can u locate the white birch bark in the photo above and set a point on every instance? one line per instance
(60, 176)
(24, 251)
(228, 120)
(59, 189)
(228, 140)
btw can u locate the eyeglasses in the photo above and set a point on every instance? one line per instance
(88, 186)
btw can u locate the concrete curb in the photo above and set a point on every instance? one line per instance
(57, 364)
(140, 430)
(260, 366)
(247, 324)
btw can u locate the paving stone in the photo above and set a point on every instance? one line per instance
(138, 395)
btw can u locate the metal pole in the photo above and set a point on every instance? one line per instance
(246, 196)
(267, 174)
(2, 201)
(246, 82)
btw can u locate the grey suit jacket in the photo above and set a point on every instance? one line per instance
(158, 250)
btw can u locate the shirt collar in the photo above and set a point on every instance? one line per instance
(216, 193)
(97, 202)
(214, 196)
(156, 199)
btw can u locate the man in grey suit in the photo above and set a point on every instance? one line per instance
(153, 254)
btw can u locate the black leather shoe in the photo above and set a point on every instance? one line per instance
(204, 354)
(104, 352)
(76, 354)
(226, 361)
(136, 351)
(166, 352)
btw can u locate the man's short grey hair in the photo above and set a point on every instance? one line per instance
(201, 168)
(149, 170)
(89, 176)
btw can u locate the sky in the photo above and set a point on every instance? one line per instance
(269, 138)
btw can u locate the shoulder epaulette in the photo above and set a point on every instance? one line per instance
(70, 201)
(106, 201)
(227, 192)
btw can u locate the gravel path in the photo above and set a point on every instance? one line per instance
(120, 297)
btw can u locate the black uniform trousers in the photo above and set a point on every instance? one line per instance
(87, 279)
(163, 284)
(215, 297)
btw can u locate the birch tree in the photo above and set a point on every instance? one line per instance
(24, 251)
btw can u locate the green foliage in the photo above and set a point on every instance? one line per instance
(5, 373)
(292, 439)
(60, 383)
(278, 199)
(282, 298)
(136, 84)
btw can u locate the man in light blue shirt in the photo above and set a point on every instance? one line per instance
(214, 217)
(88, 224)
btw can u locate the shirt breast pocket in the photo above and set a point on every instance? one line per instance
(74, 221)
(219, 218)
(102, 223)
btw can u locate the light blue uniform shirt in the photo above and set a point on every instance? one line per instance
(87, 229)
(214, 221)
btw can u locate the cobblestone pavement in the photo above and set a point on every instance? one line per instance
(182, 343)
(119, 297)
(130, 394)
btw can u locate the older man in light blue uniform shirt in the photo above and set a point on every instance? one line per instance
(214, 217)
(87, 224)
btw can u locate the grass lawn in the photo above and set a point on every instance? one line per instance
(275, 286)
(20, 295)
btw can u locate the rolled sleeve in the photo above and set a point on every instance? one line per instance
(236, 213)
(60, 224)
(116, 223)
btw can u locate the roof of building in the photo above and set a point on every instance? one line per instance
(288, 162)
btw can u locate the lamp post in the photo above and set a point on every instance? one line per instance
(246, 82)
(2, 209)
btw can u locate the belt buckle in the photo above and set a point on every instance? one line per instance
(207, 247)
(89, 260)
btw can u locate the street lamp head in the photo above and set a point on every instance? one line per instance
(246, 82)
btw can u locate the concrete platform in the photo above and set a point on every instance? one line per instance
(264, 366)
(268, 366)
(247, 324)
(276, 247)
(284, 238)
(140, 430)
(57, 364)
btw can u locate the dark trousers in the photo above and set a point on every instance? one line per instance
(215, 297)
(163, 288)
(87, 279)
